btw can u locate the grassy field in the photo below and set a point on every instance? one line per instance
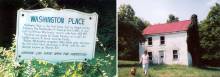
(167, 70)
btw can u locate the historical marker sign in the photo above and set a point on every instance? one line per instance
(55, 35)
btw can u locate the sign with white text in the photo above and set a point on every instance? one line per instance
(55, 35)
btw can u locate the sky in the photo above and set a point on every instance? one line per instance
(157, 11)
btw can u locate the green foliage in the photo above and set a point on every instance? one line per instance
(140, 24)
(193, 41)
(172, 18)
(7, 63)
(210, 34)
(49, 3)
(126, 13)
(97, 67)
(129, 38)
(130, 29)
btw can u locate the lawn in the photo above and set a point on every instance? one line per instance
(167, 70)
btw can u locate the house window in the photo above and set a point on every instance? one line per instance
(162, 40)
(150, 56)
(161, 53)
(175, 54)
(150, 41)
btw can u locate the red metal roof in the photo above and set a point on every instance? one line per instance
(167, 27)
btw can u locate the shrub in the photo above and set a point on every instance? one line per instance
(99, 66)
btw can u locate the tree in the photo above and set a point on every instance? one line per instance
(140, 23)
(128, 41)
(210, 34)
(172, 18)
(8, 14)
(126, 13)
(193, 41)
(129, 32)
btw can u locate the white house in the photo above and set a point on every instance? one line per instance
(167, 43)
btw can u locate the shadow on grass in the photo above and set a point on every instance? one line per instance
(128, 65)
(211, 68)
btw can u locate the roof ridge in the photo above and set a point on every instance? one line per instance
(167, 23)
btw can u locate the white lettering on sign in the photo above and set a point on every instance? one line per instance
(55, 35)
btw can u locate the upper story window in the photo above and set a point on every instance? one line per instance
(162, 40)
(150, 41)
(175, 54)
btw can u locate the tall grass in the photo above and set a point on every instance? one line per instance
(167, 71)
